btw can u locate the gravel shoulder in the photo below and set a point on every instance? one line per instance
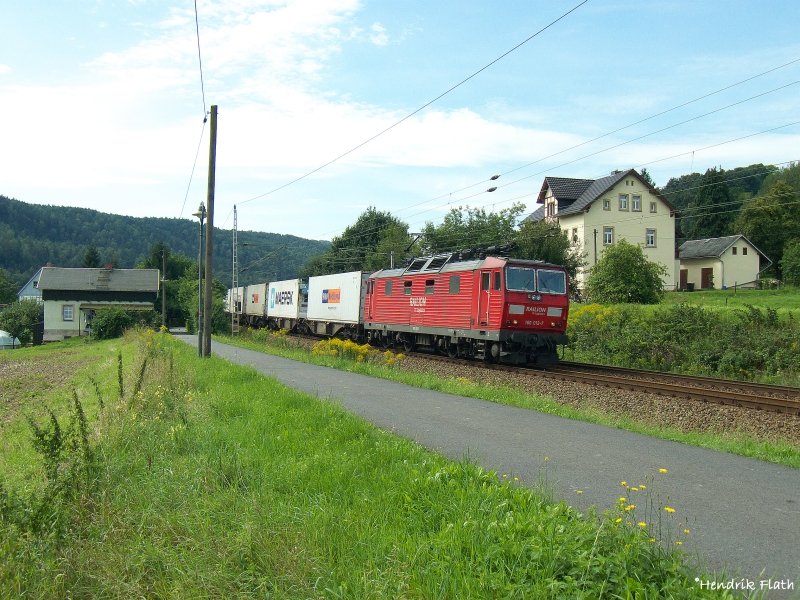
(650, 409)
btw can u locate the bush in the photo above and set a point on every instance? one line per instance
(623, 274)
(112, 322)
(747, 344)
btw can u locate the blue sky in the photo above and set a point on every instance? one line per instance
(103, 109)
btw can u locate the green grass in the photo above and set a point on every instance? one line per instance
(780, 452)
(783, 300)
(216, 482)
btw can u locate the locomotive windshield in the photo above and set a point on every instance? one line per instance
(520, 279)
(552, 282)
(524, 279)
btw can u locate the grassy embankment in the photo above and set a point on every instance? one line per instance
(785, 300)
(750, 335)
(176, 477)
(777, 451)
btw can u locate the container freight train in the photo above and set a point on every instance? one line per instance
(496, 309)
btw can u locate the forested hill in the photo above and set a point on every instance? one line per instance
(32, 235)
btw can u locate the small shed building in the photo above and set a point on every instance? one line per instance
(724, 262)
(70, 296)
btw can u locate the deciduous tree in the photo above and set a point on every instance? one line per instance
(790, 263)
(466, 228)
(712, 211)
(363, 245)
(623, 274)
(772, 221)
(20, 318)
(540, 240)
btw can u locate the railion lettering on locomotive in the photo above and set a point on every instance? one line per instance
(537, 310)
(418, 301)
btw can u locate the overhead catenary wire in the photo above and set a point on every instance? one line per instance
(460, 200)
(624, 127)
(205, 110)
(200, 60)
(701, 97)
(457, 242)
(420, 109)
(455, 201)
(194, 165)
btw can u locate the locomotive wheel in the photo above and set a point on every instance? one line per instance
(409, 345)
(452, 350)
(491, 353)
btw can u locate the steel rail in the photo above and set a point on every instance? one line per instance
(681, 390)
(741, 386)
(688, 387)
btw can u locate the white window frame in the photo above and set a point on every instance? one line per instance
(606, 204)
(650, 238)
(636, 203)
(654, 207)
(623, 201)
(608, 236)
(67, 312)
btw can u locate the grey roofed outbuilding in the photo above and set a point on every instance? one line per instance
(576, 195)
(110, 280)
(712, 247)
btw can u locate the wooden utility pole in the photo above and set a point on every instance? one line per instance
(212, 165)
(164, 287)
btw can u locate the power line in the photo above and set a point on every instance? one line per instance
(200, 61)
(456, 241)
(194, 165)
(418, 110)
(682, 105)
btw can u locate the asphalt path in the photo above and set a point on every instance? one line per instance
(743, 514)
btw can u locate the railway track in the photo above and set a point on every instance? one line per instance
(705, 389)
(775, 398)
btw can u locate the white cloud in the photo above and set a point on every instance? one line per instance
(379, 37)
(4, 69)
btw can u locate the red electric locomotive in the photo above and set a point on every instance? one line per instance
(498, 309)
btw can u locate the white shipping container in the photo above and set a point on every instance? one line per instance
(255, 298)
(336, 298)
(285, 299)
(236, 294)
